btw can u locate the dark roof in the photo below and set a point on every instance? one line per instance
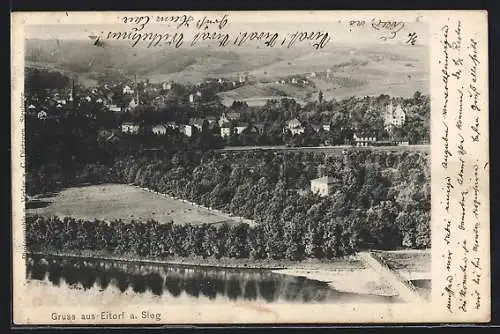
(196, 121)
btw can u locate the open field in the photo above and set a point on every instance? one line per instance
(118, 201)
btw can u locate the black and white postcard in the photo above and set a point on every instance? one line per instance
(250, 167)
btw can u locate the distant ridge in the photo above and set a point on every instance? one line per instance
(356, 70)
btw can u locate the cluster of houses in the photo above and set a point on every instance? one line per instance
(328, 75)
(227, 122)
(50, 104)
(126, 96)
(295, 127)
(394, 117)
(117, 97)
(294, 81)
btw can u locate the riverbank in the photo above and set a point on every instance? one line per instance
(350, 263)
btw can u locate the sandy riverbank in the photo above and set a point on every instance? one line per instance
(360, 280)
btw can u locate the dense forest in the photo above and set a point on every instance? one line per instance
(382, 199)
(40, 79)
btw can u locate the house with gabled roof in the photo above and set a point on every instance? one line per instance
(130, 128)
(294, 126)
(159, 129)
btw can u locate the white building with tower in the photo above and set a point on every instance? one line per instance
(394, 116)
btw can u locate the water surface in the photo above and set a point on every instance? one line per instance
(90, 279)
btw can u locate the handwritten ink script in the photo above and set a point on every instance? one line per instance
(181, 30)
(188, 30)
(385, 29)
(461, 165)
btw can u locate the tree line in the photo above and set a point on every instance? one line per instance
(161, 241)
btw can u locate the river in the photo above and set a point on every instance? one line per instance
(83, 281)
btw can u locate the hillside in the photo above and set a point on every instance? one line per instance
(355, 70)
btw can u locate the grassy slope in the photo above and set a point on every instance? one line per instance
(115, 201)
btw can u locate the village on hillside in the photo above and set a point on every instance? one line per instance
(139, 108)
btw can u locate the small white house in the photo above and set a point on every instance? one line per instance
(128, 90)
(323, 186)
(159, 130)
(130, 128)
(114, 108)
(133, 104)
(173, 125)
(225, 131)
(187, 130)
(295, 126)
(42, 114)
(328, 73)
(240, 128)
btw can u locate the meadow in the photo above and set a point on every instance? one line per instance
(120, 201)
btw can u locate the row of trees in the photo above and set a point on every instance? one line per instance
(155, 240)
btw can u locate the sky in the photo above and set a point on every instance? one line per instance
(339, 31)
